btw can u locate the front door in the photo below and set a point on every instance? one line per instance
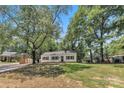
(62, 59)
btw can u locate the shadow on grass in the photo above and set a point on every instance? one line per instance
(41, 70)
(71, 68)
(119, 66)
(50, 70)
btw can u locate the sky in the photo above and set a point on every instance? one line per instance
(66, 19)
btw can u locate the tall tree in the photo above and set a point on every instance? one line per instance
(101, 18)
(38, 23)
(79, 36)
(35, 25)
(4, 32)
(93, 25)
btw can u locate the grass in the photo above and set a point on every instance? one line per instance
(66, 75)
(97, 75)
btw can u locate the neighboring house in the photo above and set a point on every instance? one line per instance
(59, 56)
(22, 58)
(8, 56)
(118, 59)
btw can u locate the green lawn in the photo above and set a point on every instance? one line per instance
(90, 75)
(96, 75)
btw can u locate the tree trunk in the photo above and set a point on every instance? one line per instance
(91, 56)
(101, 42)
(33, 56)
(101, 53)
(107, 56)
(27, 43)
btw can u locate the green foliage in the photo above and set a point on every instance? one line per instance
(90, 29)
(116, 47)
(34, 29)
(38, 28)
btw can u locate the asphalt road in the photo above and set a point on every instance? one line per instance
(9, 67)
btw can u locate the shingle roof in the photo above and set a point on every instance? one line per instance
(58, 52)
(8, 54)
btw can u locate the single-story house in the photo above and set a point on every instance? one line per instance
(59, 56)
(22, 58)
(8, 56)
(118, 59)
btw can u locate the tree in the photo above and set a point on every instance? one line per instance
(116, 47)
(37, 24)
(79, 36)
(6, 28)
(93, 26)
(102, 17)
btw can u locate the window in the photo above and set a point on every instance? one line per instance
(45, 58)
(55, 58)
(70, 57)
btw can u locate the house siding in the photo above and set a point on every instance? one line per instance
(59, 57)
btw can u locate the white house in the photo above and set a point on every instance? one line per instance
(118, 59)
(59, 56)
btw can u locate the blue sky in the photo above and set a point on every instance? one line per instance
(66, 19)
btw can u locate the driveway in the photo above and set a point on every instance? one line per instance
(10, 66)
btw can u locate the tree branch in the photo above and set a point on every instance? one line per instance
(56, 15)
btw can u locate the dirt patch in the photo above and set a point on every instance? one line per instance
(110, 79)
(19, 81)
(115, 80)
(97, 78)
